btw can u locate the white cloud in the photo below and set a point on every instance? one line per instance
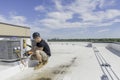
(104, 30)
(85, 8)
(39, 8)
(101, 15)
(2, 19)
(14, 19)
(112, 13)
(102, 3)
(58, 5)
(18, 18)
(60, 15)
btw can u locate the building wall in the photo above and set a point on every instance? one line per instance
(14, 30)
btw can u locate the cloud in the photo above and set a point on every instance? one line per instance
(39, 8)
(86, 10)
(60, 15)
(102, 3)
(101, 15)
(2, 18)
(58, 5)
(14, 19)
(104, 30)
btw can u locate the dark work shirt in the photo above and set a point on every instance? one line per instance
(45, 46)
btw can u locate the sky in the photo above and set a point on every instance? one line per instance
(64, 18)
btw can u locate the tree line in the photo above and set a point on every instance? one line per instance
(104, 40)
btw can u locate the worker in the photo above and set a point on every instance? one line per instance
(40, 51)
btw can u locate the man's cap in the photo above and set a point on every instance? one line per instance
(35, 35)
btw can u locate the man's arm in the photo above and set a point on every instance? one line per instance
(31, 51)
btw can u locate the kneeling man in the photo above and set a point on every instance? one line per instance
(41, 51)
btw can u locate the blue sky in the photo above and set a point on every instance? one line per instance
(65, 18)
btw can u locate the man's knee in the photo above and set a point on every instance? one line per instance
(42, 54)
(38, 51)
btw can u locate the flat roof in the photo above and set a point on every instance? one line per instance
(73, 62)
